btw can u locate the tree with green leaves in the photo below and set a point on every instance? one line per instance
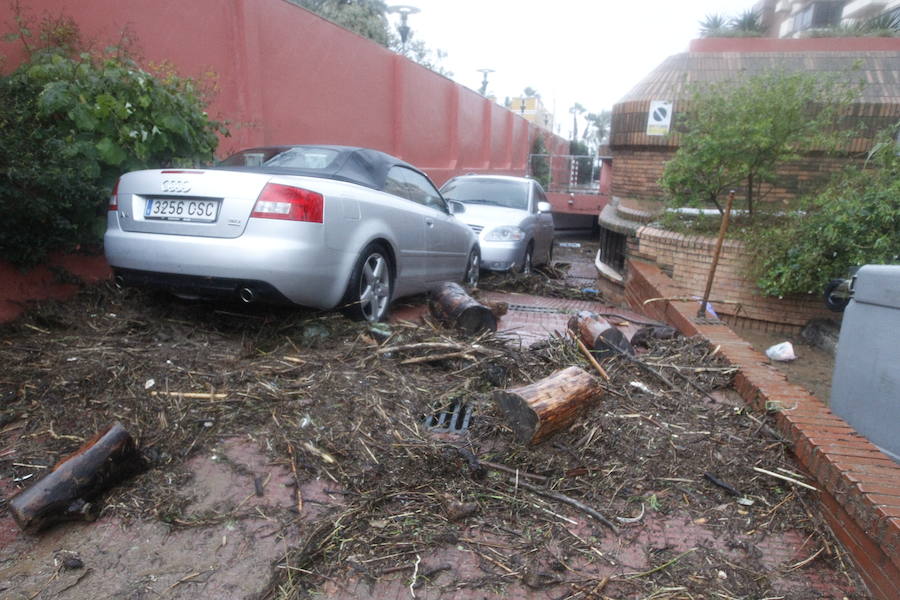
(72, 122)
(747, 24)
(576, 110)
(735, 134)
(597, 131)
(367, 18)
(713, 25)
(854, 221)
(540, 163)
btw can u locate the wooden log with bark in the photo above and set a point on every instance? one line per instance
(599, 335)
(453, 307)
(537, 410)
(66, 493)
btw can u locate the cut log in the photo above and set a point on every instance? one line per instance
(599, 335)
(537, 410)
(66, 493)
(453, 307)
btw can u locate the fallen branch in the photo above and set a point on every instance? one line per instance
(722, 484)
(420, 346)
(590, 357)
(192, 395)
(662, 566)
(785, 478)
(570, 501)
(636, 519)
(806, 561)
(517, 472)
(433, 357)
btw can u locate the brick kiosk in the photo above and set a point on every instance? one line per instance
(639, 160)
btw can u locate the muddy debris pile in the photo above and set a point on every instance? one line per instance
(427, 486)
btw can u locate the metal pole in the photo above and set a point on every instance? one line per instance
(712, 269)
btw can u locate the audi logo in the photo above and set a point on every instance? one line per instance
(180, 186)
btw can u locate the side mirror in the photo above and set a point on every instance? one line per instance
(544, 207)
(456, 207)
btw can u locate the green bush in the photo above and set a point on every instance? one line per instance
(853, 222)
(71, 124)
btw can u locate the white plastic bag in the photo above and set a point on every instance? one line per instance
(783, 352)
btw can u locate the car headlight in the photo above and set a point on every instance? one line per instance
(504, 234)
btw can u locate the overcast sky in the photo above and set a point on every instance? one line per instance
(587, 51)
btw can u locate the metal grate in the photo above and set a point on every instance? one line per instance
(612, 248)
(476, 228)
(453, 419)
(540, 309)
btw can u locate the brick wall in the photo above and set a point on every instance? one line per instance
(687, 260)
(859, 485)
(638, 170)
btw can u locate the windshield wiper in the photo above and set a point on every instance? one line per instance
(477, 201)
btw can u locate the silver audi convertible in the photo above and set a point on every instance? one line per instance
(317, 226)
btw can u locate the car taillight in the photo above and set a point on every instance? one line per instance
(114, 198)
(279, 201)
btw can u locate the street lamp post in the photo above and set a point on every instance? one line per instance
(484, 81)
(403, 28)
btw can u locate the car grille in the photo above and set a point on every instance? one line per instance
(476, 228)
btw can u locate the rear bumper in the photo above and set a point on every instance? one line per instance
(208, 287)
(283, 260)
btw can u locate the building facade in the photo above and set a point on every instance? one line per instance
(801, 18)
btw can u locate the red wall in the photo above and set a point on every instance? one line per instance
(287, 76)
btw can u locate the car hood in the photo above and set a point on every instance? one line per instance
(488, 216)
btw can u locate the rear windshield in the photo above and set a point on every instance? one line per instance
(292, 158)
(499, 192)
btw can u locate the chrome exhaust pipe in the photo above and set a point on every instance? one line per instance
(247, 295)
(119, 282)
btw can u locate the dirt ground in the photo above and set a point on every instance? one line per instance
(813, 368)
(288, 457)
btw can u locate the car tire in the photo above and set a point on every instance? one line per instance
(473, 269)
(550, 253)
(527, 265)
(371, 285)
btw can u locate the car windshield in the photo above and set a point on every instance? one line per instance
(499, 192)
(294, 158)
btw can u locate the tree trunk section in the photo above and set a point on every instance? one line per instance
(65, 493)
(537, 410)
(453, 307)
(599, 335)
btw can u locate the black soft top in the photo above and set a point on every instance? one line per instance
(362, 166)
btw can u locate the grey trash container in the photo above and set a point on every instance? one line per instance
(865, 390)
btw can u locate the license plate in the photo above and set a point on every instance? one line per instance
(173, 209)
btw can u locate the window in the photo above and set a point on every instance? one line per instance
(296, 158)
(483, 190)
(419, 189)
(612, 249)
(818, 15)
(395, 183)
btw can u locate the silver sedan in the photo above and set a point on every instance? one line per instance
(318, 226)
(511, 216)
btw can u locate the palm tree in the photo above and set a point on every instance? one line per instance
(748, 23)
(713, 26)
(576, 110)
